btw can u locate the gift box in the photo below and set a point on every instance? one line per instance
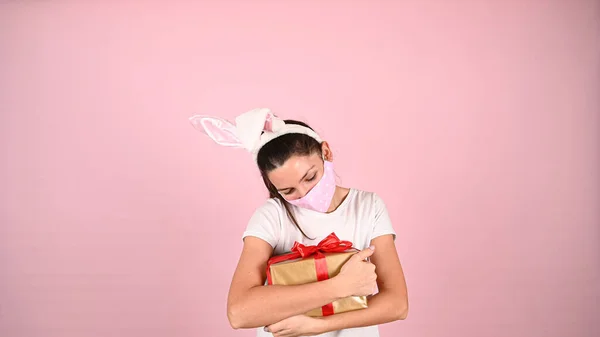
(306, 264)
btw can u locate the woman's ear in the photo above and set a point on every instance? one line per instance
(326, 150)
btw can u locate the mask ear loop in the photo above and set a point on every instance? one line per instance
(338, 180)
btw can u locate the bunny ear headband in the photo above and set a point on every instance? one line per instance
(248, 130)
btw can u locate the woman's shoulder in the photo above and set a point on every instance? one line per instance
(265, 222)
(271, 207)
(366, 202)
(365, 196)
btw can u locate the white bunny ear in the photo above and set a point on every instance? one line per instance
(219, 130)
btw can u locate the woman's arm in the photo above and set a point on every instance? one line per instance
(390, 304)
(251, 304)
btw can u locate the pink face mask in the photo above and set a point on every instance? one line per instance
(320, 196)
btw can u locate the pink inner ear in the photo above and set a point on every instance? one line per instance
(220, 132)
(223, 136)
(268, 123)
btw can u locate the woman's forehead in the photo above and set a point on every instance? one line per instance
(294, 169)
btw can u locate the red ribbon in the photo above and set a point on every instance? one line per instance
(331, 244)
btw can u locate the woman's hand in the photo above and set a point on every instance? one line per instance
(357, 276)
(296, 326)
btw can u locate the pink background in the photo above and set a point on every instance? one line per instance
(476, 121)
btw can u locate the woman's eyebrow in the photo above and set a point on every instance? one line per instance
(304, 176)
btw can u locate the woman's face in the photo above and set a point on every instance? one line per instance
(299, 174)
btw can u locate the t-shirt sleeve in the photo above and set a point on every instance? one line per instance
(382, 224)
(265, 223)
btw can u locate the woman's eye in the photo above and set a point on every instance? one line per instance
(288, 192)
(311, 178)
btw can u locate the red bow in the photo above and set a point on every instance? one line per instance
(331, 244)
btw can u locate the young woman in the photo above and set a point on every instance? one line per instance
(306, 205)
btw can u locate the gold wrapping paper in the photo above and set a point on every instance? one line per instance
(303, 271)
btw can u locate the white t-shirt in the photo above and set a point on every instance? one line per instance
(360, 218)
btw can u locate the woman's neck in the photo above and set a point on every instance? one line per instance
(339, 196)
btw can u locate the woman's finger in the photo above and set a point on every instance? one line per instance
(283, 333)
